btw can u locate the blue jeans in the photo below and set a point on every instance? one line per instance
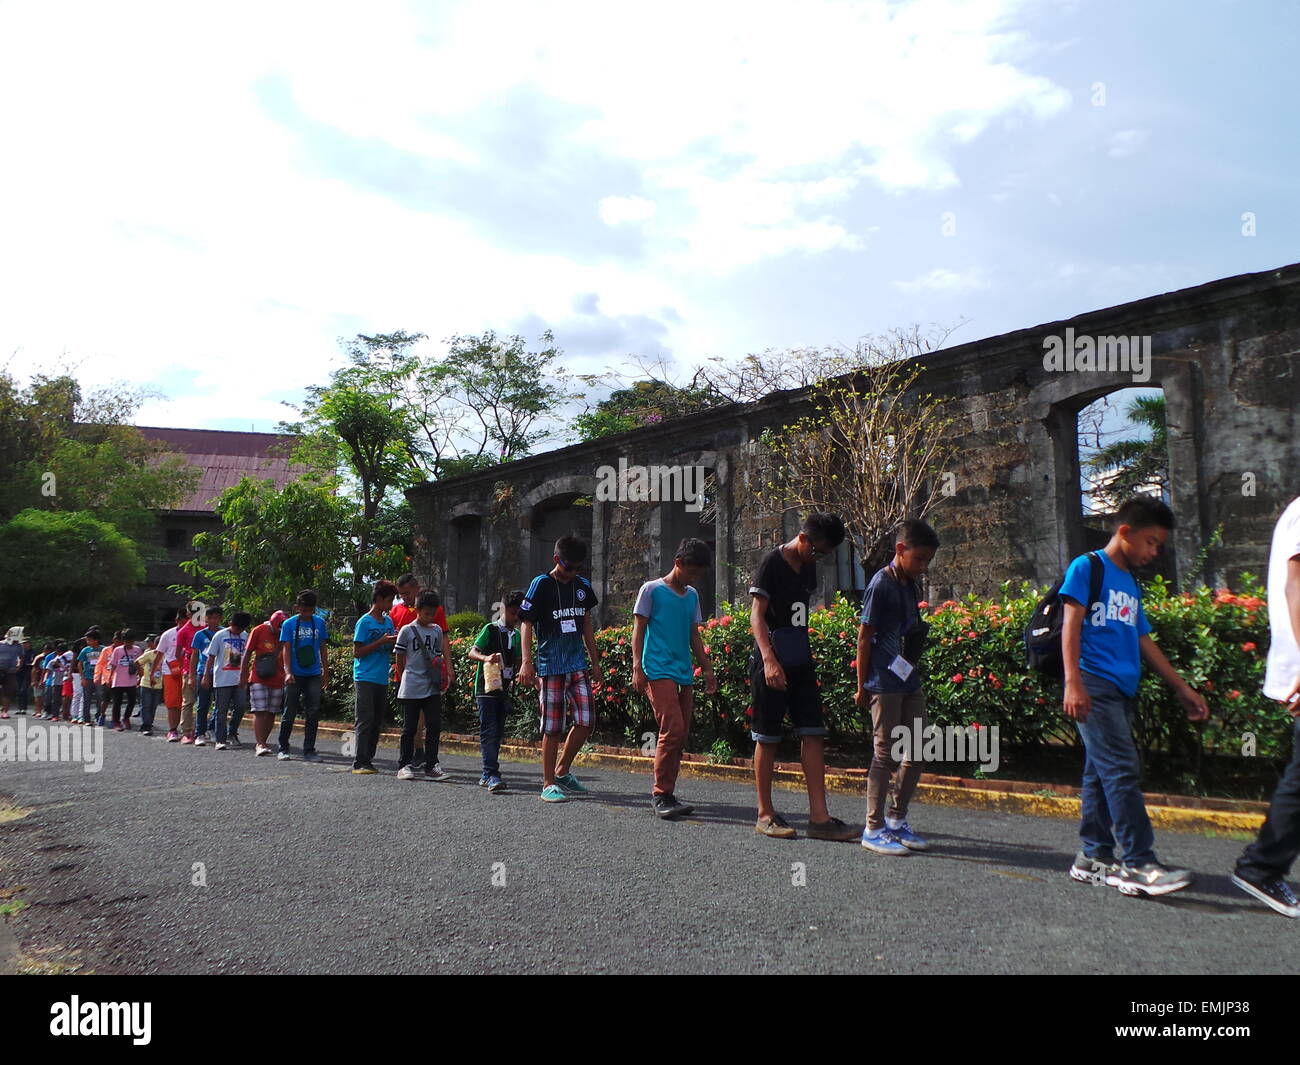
(492, 711)
(1112, 791)
(148, 705)
(231, 700)
(303, 693)
(204, 701)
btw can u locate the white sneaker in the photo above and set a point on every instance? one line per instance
(263, 750)
(219, 746)
(406, 773)
(201, 740)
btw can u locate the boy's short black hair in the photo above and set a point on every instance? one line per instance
(827, 529)
(128, 634)
(571, 548)
(405, 579)
(913, 532)
(694, 552)
(1141, 512)
(182, 612)
(306, 598)
(241, 619)
(427, 601)
(514, 598)
(383, 590)
(59, 645)
(216, 610)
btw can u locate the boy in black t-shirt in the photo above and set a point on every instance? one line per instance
(783, 676)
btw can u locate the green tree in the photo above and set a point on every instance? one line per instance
(58, 563)
(275, 542)
(1135, 464)
(644, 403)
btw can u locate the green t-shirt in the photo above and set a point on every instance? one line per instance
(492, 639)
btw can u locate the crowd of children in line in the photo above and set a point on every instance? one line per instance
(542, 638)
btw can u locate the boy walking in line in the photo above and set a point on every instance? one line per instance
(372, 640)
(665, 632)
(25, 676)
(185, 651)
(171, 675)
(558, 606)
(1103, 645)
(496, 648)
(262, 676)
(103, 681)
(306, 671)
(783, 676)
(42, 680)
(224, 662)
(11, 660)
(150, 683)
(198, 669)
(424, 673)
(889, 683)
(403, 613)
(1262, 868)
(87, 660)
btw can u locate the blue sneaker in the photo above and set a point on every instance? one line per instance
(882, 841)
(908, 838)
(496, 785)
(483, 780)
(554, 793)
(571, 784)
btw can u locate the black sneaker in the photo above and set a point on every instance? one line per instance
(1274, 892)
(146, 732)
(682, 808)
(1094, 871)
(1151, 879)
(665, 806)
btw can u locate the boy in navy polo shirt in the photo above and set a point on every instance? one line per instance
(889, 682)
(1103, 645)
(558, 607)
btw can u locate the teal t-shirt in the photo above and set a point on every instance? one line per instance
(86, 658)
(666, 653)
(373, 668)
(1112, 626)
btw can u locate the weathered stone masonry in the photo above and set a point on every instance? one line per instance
(1226, 354)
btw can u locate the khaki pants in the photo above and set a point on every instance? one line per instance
(187, 705)
(888, 779)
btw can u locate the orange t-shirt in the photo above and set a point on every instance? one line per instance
(264, 639)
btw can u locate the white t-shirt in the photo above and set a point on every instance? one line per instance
(226, 653)
(1284, 645)
(167, 648)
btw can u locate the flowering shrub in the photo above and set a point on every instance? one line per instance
(974, 672)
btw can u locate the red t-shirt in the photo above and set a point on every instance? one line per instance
(185, 644)
(403, 614)
(265, 639)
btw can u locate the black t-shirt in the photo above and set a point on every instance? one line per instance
(783, 587)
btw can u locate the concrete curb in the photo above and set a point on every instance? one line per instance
(1175, 814)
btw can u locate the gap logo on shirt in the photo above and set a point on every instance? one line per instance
(1121, 607)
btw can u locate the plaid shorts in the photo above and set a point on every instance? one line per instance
(263, 700)
(560, 690)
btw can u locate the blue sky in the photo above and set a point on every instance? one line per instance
(204, 203)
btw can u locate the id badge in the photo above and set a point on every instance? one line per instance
(900, 667)
(568, 625)
(507, 672)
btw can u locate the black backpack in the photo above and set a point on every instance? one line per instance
(1043, 633)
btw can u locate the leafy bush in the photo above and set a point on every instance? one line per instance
(466, 623)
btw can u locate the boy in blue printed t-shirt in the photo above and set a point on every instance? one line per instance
(306, 671)
(1103, 645)
(558, 607)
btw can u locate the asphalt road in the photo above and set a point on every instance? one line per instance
(309, 869)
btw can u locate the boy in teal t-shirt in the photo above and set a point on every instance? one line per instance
(372, 640)
(497, 643)
(665, 630)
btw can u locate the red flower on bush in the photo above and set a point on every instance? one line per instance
(1234, 694)
(1248, 647)
(957, 678)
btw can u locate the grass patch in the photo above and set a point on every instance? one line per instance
(12, 907)
(11, 811)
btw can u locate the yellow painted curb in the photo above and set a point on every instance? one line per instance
(1171, 818)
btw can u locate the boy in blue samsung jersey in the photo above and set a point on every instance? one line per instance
(557, 607)
(1103, 645)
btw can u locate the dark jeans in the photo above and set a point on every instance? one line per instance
(1278, 843)
(1112, 789)
(25, 692)
(431, 707)
(118, 695)
(148, 705)
(303, 694)
(372, 701)
(105, 701)
(203, 700)
(492, 710)
(231, 700)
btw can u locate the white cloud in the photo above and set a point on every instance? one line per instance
(1126, 142)
(618, 210)
(941, 279)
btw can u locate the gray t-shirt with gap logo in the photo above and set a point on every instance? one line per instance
(419, 645)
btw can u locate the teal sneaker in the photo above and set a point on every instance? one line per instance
(554, 793)
(571, 784)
